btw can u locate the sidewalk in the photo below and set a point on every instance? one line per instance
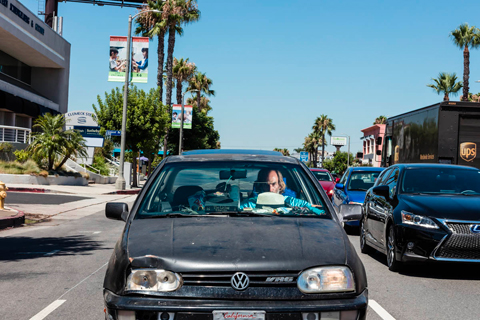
(96, 196)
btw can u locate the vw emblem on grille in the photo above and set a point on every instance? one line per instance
(240, 281)
(475, 228)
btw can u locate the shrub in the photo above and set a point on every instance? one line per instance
(43, 173)
(100, 164)
(21, 155)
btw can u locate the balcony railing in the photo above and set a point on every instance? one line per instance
(15, 134)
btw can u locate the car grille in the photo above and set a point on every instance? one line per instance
(462, 244)
(256, 279)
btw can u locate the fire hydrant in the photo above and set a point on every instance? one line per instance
(3, 195)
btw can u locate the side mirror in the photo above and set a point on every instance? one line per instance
(337, 180)
(339, 186)
(116, 211)
(382, 191)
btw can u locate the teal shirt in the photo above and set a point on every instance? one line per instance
(289, 201)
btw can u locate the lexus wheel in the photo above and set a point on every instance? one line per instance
(392, 262)
(364, 248)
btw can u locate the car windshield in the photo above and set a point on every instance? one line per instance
(362, 180)
(441, 181)
(231, 188)
(322, 176)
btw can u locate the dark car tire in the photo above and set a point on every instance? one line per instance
(364, 247)
(392, 262)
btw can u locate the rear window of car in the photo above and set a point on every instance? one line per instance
(209, 187)
(362, 180)
(322, 176)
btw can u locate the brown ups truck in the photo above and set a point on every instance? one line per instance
(446, 132)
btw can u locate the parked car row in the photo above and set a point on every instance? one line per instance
(413, 212)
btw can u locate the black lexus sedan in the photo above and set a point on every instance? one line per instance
(420, 212)
(232, 235)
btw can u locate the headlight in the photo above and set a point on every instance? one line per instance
(326, 279)
(153, 280)
(416, 220)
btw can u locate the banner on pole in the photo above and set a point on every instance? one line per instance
(118, 59)
(177, 116)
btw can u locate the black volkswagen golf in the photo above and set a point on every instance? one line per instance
(420, 212)
(232, 235)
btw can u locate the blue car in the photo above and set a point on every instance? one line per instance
(349, 193)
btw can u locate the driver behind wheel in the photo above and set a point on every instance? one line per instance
(270, 180)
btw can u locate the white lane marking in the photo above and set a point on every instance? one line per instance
(52, 253)
(379, 310)
(49, 309)
(96, 232)
(82, 281)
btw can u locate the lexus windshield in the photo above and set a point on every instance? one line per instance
(441, 181)
(231, 188)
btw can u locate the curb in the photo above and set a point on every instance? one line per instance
(35, 190)
(12, 221)
(136, 191)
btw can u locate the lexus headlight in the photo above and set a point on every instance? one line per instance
(153, 280)
(326, 279)
(416, 220)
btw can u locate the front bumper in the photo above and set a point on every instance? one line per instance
(153, 307)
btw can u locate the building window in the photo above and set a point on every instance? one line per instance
(23, 122)
(15, 68)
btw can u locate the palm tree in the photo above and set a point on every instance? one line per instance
(151, 24)
(176, 13)
(201, 83)
(311, 146)
(182, 71)
(463, 37)
(75, 145)
(447, 83)
(204, 103)
(380, 120)
(323, 125)
(50, 141)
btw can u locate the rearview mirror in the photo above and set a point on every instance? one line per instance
(116, 211)
(382, 191)
(233, 174)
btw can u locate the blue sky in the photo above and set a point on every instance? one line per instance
(277, 65)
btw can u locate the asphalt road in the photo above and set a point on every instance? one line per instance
(43, 198)
(56, 272)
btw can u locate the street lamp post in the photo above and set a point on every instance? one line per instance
(180, 143)
(348, 152)
(120, 183)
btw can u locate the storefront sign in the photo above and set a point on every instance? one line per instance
(81, 118)
(23, 16)
(90, 132)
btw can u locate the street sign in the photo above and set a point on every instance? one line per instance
(303, 156)
(117, 133)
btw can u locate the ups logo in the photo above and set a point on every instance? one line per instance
(468, 151)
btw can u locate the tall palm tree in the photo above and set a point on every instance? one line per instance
(380, 120)
(201, 83)
(311, 145)
(323, 125)
(463, 37)
(182, 72)
(176, 13)
(151, 24)
(204, 103)
(50, 140)
(446, 83)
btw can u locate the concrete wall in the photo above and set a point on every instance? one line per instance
(50, 180)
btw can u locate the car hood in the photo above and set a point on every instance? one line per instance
(327, 185)
(356, 196)
(454, 207)
(235, 243)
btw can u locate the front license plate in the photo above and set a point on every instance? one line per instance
(237, 315)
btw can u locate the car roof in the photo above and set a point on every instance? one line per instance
(233, 155)
(367, 169)
(232, 151)
(319, 169)
(432, 165)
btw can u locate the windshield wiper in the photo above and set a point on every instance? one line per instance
(172, 215)
(469, 193)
